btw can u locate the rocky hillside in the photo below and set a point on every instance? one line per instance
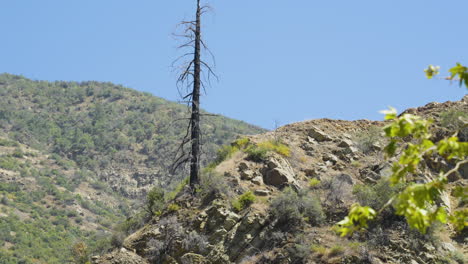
(274, 198)
(76, 159)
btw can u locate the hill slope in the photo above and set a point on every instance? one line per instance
(77, 158)
(127, 137)
(274, 197)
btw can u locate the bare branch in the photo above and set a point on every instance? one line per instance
(181, 57)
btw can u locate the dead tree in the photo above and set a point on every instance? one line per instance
(189, 85)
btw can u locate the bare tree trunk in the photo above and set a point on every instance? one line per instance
(191, 80)
(195, 117)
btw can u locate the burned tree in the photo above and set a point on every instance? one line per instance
(189, 86)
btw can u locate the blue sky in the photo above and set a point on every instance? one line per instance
(277, 61)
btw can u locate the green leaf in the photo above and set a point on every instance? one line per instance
(432, 71)
(462, 73)
(356, 220)
(390, 114)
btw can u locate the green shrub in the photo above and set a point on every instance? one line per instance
(319, 249)
(256, 153)
(212, 185)
(286, 208)
(458, 256)
(293, 209)
(336, 250)
(131, 224)
(243, 201)
(224, 153)
(176, 190)
(312, 209)
(452, 120)
(366, 139)
(242, 142)
(314, 182)
(9, 163)
(8, 143)
(18, 153)
(375, 195)
(259, 152)
(276, 146)
(155, 201)
(173, 207)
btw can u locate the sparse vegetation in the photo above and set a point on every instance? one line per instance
(155, 201)
(176, 190)
(8, 143)
(172, 234)
(292, 209)
(366, 140)
(226, 151)
(275, 146)
(422, 201)
(243, 201)
(458, 256)
(213, 185)
(256, 153)
(453, 120)
(376, 195)
(173, 207)
(314, 182)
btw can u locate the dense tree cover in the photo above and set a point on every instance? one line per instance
(39, 223)
(99, 125)
(83, 129)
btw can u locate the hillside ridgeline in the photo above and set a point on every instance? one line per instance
(275, 197)
(77, 159)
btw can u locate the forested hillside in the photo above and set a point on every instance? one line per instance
(77, 158)
(105, 128)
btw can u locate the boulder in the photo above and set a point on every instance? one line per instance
(262, 192)
(448, 247)
(231, 220)
(331, 158)
(243, 166)
(246, 174)
(319, 135)
(278, 177)
(278, 172)
(346, 143)
(258, 180)
(311, 140)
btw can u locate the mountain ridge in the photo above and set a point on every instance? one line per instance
(274, 197)
(78, 158)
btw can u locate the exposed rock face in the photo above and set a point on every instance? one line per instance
(278, 172)
(131, 184)
(323, 150)
(319, 135)
(121, 256)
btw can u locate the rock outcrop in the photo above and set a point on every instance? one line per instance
(326, 164)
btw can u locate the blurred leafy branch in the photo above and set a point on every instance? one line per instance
(426, 198)
(458, 73)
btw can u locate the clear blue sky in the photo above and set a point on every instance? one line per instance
(277, 60)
